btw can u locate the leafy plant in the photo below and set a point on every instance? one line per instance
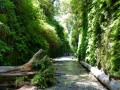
(21, 81)
(45, 75)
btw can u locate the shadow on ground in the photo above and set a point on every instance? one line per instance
(71, 76)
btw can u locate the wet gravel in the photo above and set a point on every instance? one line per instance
(71, 76)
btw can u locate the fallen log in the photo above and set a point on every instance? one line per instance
(18, 74)
(9, 73)
(102, 77)
(11, 77)
(27, 66)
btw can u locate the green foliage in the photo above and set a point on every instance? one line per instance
(5, 47)
(80, 28)
(115, 48)
(3, 18)
(76, 23)
(47, 6)
(63, 46)
(45, 76)
(99, 25)
(21, 81)
(25, 28)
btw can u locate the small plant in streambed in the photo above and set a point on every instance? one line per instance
(40, 80)
(45, 75)
(20, 81)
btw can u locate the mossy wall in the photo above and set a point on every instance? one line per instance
(98, 25)
(25, 27)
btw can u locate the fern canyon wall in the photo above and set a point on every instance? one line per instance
(88, 28)
(25, 27)
(96, 33)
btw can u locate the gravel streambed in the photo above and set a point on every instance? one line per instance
(71, 76)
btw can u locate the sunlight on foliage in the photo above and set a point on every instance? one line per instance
(45, 75)
(30, 27)
(98, 42)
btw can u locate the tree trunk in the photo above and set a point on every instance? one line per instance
(36, 56)
(27, 66)
(10, 73)
(102, 77)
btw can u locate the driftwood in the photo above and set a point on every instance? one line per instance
(25, 69)
(102, 77)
